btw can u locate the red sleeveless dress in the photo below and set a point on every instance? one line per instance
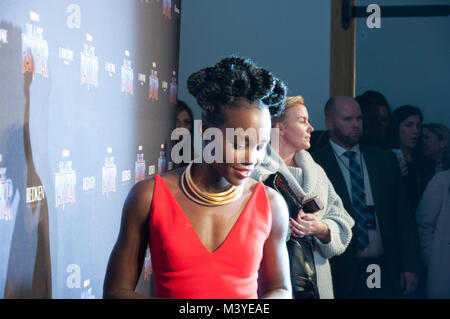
(184, 269)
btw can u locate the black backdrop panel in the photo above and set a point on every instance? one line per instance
(87, 96)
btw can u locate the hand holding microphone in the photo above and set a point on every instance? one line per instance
(307, 222)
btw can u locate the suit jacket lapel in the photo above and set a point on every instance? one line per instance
(331, 166)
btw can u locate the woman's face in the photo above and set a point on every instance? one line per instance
(246, 133)
(295, 132)
(409, 131)
(183, 120)
(432, 146)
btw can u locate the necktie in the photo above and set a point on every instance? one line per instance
(358, 201)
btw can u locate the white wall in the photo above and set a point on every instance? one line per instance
(407, 59)
(289, 38)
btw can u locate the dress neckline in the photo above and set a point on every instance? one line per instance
(232, 230)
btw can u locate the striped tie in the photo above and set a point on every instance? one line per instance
(358, 201)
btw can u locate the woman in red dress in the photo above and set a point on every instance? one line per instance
(212, 231)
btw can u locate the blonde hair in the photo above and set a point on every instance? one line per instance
(290, 102)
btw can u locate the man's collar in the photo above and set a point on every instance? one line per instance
(339, 150)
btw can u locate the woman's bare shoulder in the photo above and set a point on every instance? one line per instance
(275, 198)
(172, 177)
(143, 190)
(277, 203)
(279, 211)
(139, 199)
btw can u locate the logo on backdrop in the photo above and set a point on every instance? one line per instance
(66, 55)
(110, 68)
(147, 264)
(89, 64)
(139, 168)
(109, 174)
(35, 194)
(151, 170)
(65, 181)
(88, 183)
(126, 175)
(173, 88)
(34, 48)
(153, 84)
(6, 194)
(167, 8)
(127, 76)
(141, 78)
(164, 86)
(3, 36)
(162, 160)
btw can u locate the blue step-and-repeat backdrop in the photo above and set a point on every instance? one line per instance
(88, 91)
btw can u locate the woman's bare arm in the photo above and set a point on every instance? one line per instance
(274, 271)
(127, 256)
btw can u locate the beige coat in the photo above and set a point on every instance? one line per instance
(308, 180)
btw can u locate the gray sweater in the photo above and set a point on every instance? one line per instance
(308, 180)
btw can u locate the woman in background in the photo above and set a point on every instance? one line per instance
(183, 119)
(433, 220)
(329, 228)
(405, 132)
(436, 145)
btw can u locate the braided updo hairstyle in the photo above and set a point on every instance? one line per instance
(233, 78)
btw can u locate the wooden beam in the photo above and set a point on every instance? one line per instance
(342, 52)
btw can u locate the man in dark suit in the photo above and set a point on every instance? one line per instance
(383, 259)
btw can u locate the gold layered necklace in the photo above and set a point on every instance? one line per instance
(205, 198)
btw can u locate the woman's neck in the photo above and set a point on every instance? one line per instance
(288, 155)
(408, 154)
(206, 178)
(438, 163)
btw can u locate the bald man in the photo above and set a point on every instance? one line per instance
(382, 260)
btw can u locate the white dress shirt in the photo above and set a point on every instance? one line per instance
(375, 247)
